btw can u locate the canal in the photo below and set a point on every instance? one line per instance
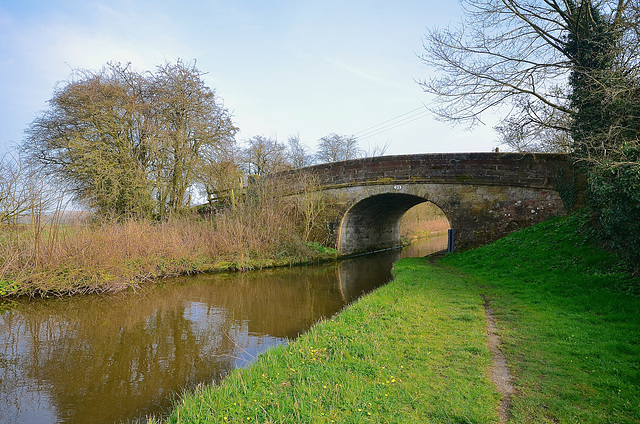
(119, 358)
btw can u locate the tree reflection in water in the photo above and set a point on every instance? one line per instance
(104, 359)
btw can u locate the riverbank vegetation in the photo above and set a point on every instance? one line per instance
(415, 351)
(140, 150)
(423, 220)
(261, 229)
(72, 253)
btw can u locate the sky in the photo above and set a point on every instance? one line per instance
(282, 67)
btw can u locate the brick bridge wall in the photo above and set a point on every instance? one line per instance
(484, 195)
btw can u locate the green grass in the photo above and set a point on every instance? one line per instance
(407, 353)
(415, 351)
(315, 246)
(570, 322)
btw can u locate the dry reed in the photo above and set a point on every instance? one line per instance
(52, 256)
(60, 258)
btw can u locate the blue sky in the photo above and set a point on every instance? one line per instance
(282, 67)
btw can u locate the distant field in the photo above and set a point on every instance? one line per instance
(423, 219)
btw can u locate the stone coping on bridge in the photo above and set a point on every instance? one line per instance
(535, 170)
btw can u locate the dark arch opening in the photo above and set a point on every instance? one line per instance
(374, 223)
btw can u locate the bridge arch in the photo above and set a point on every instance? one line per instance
(373, 220)
(484, 196)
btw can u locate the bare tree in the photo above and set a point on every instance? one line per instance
(312, 206)
(14, 199)
(297, 153)
(521, 137)
(219, 173)
(22, 190)
(191, 119)
(335, 148)
(513, 55)
(264, 155)
(377, 150)
(93, 139)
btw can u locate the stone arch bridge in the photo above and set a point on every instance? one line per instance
(484, 196)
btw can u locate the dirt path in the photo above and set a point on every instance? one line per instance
(499, 373)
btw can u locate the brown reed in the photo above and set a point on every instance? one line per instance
(53, 257)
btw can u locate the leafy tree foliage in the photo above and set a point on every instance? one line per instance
(615, 205)
(605, 127)
(604, 89)
(129, 143)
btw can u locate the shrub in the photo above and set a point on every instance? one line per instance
(615, 204)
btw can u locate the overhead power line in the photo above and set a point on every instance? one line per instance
(389, 124)
(395, 125)
(389, 120)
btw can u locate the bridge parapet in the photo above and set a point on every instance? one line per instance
(535, 170)
(484, 195)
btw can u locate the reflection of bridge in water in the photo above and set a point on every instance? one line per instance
(483, 195)
(356, 275)
(72, 359)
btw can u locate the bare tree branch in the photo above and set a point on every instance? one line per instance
(512, 54)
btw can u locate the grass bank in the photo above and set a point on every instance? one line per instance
(569, 318)
(415, 351)
(48, 258)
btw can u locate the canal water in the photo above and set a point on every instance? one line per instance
(119, 358)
